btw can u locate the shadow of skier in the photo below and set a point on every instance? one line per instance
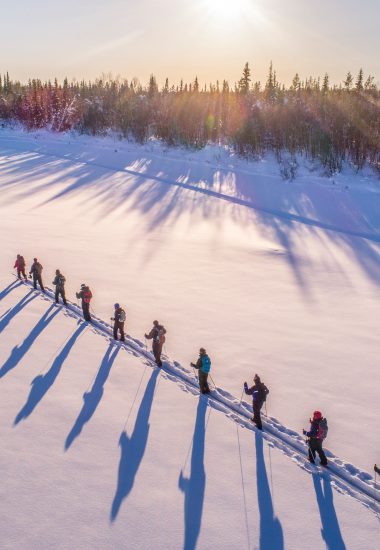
(43, 382)
(9, 288)
(194, 487)
(16, 309)
(271, 535)
(133, 447)
(330, 527)
(18, 352)
(93, 397)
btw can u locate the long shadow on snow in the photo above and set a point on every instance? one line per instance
(9, 289)
(194, 487)
(330, 527)
(271, 535)
(18, 352)
(284, 213)
(43, 382)
(133, 448)
(25, 300)
(93, 397)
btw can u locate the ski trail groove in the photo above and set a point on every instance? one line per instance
(345, 477)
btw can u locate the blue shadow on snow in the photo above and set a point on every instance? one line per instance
(194, 487)
(93, 397)
(9, 288)
(271, 535)
(133, 447)
(330, 527)
(4, 322)
(43, 382)
(18, 352)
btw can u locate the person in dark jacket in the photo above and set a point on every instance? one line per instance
(377, 470)
(157, 334)
(119, 320)
(20, 266)
(36, 273)
(59, 283)
(315, 440)
(203, 365)
(85, 295)
(259, 393)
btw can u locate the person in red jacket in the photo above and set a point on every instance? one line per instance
(20, 266)
(85, 295)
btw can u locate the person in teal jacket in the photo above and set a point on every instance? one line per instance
(203, 365)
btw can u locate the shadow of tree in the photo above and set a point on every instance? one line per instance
(133, 448)
(93, 397)
(193, 487)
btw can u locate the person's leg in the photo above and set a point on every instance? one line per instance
(321, 453)
(19, 273)
(35, 282)
(23, 273)
(312, 450)
(122, 335)
(257, 416)
(115, 330)
(63, 296)
(86, 312)
(56, 295)
(41, 283)
(201, 378)
(207, 387)
(157, 353)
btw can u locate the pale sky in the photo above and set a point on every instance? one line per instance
(183, 38)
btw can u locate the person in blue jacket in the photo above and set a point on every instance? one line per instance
(203, 365)
(259, 393)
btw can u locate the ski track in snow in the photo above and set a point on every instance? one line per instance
(345, 477)
(375, 237)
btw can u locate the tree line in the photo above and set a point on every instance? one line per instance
(332, 123)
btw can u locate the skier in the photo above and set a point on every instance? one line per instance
(59, 282)
(85, 295)
(20, 266)
(157, 334)
(119, 320)
(203, 365)
(36, 272)
(259, 393)
(316, 435)
(377, 470)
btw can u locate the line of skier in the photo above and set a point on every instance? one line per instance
(259, 391)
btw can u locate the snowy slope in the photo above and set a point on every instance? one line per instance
(270, 276)
(274, 293)
(103, 450)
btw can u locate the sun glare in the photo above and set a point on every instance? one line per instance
(227, 9)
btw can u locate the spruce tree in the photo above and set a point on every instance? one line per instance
(359, 81)
(245, 80)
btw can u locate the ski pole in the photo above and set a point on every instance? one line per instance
(241, 397)
(212, 380)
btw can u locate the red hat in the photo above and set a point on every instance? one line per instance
(317, 415)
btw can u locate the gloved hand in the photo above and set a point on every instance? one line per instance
(304, 432)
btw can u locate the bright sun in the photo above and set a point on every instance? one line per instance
(227, 8)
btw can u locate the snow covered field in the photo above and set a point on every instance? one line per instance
(276, 277)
